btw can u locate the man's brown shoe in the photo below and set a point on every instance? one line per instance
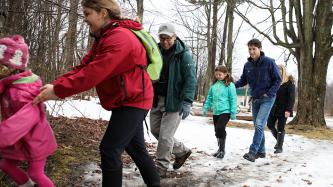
(181, 160)
(162, 172)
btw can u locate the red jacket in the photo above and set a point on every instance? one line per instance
(113, 67)
(25, 133)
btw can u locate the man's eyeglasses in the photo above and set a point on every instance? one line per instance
(165, 38)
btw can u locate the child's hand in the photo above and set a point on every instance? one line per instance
(47, 93)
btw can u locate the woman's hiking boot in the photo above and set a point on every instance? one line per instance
(280, 140)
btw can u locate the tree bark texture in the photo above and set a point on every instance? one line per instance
(140, 9)
(314, 57)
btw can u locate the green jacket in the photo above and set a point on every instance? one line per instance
(182, 79)
(222, 98)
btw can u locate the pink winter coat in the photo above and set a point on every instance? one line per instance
(25, 133)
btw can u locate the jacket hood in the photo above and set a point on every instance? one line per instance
(180, 46)
(125, 23)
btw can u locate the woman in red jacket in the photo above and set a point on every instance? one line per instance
(114, 67)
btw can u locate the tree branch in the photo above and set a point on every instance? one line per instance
(271, 10)
(299, 21)
(278, 42)
(291, 31)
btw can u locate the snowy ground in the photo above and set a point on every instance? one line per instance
(304, 162)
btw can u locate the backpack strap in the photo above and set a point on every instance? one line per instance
(154, 57)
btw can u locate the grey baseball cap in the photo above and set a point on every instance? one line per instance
(167, 28)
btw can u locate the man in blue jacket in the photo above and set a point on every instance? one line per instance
(263, 77)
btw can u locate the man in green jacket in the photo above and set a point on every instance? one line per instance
(173, 97)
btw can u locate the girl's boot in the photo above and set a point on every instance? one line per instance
(221, 148)
(217, 152)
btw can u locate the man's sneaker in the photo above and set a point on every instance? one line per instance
(181, 160)
(260, 155)
(250, 156)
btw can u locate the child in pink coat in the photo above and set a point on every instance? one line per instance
(25, 134)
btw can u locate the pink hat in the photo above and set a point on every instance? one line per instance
(14, 52)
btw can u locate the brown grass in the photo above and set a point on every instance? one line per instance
(306, 131)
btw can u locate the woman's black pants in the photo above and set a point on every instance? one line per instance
(125, 132)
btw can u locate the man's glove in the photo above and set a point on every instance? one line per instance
(185, 109)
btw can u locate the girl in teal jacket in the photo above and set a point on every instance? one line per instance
(222, 98)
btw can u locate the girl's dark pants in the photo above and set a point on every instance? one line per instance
(220, 123)
(125, 132)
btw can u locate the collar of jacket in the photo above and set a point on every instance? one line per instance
(125, 23)
(262, 55)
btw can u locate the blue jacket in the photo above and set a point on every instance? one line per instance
(222, 98)
(262, 76)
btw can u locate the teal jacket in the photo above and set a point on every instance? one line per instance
(182, 79)
(222, 98)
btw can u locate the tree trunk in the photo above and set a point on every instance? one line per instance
(211, 64)
(3, 14)
(224, 36)
(214, 35)
(70, 46)
(55, 52)
(2, 22)
(140, 9)
(313, 68)
(230, 46)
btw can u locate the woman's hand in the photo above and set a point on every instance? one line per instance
(286, 114)
(47, 93)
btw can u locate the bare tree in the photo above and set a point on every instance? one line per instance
(329, 100)
(140, 9)
(212, 44)
(307, 34)
(230, 45)
(211, 9)
(2, 18)
(71, 35)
